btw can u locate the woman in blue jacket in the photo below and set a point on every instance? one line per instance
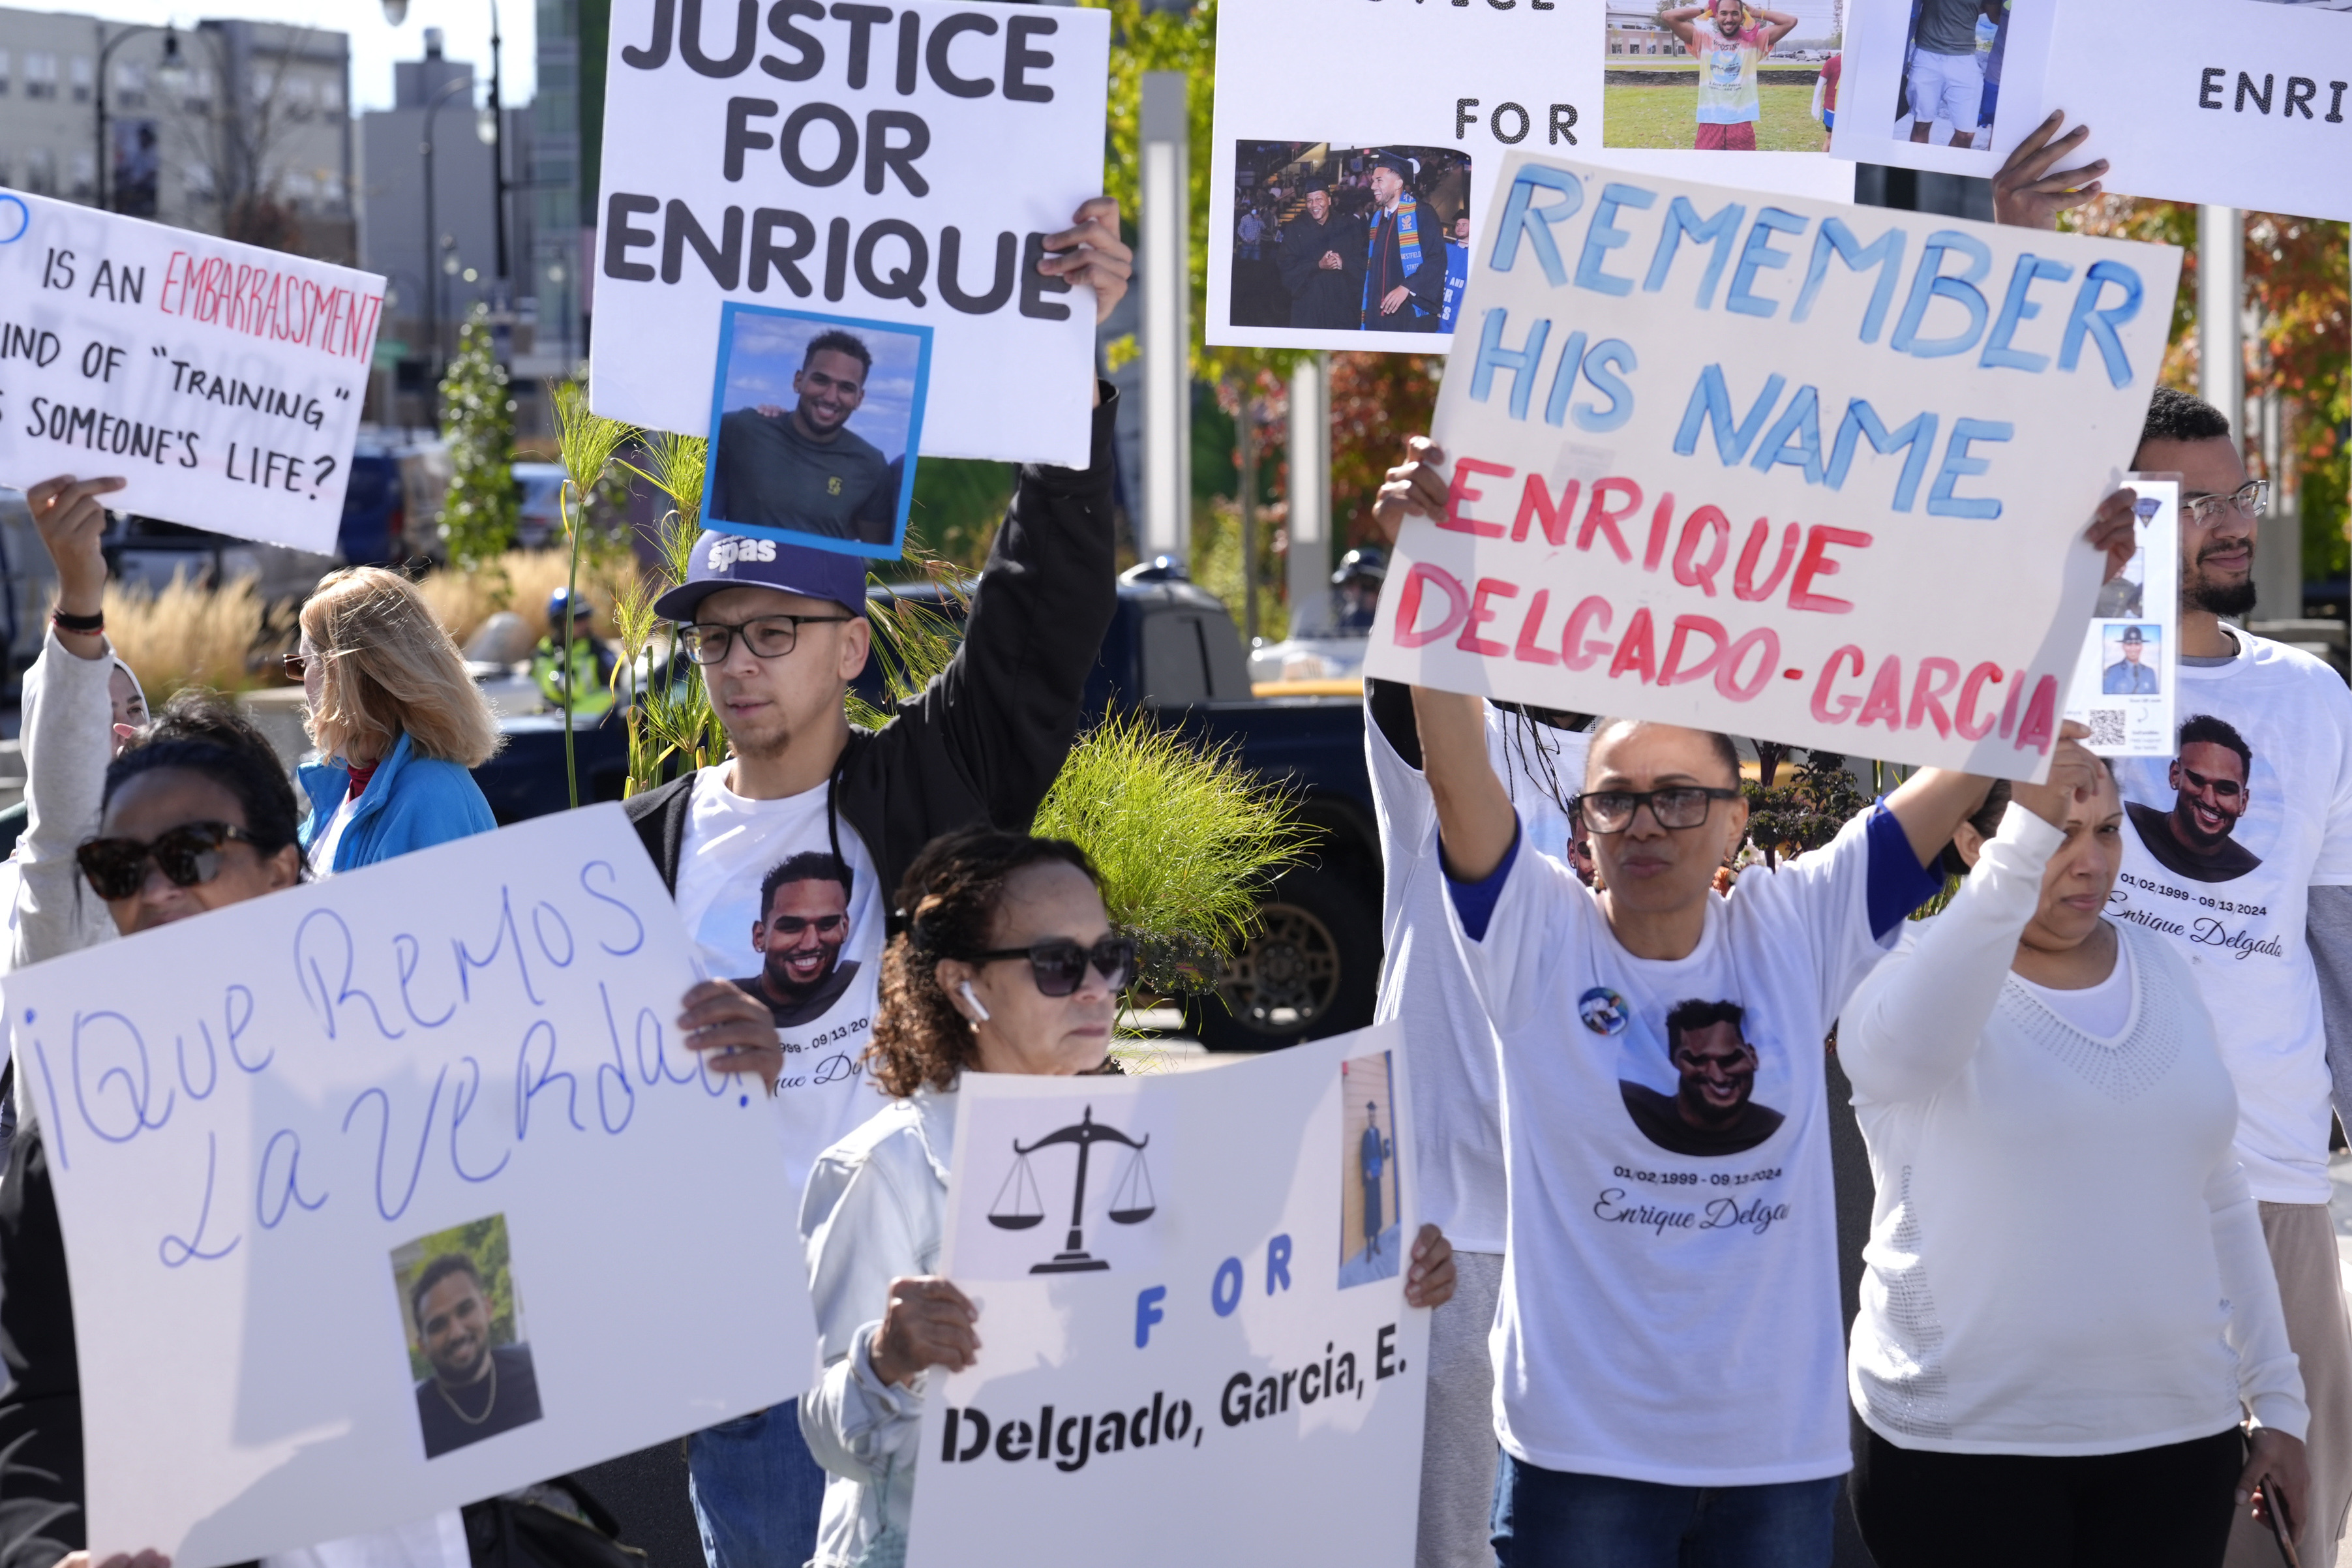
(397, 719)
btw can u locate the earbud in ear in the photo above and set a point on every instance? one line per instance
(980, 1014)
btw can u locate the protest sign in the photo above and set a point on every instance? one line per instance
(1315, 89)
(1787, 468)
(2237, 102)
(815, 424)
(268, 1146)
(2122, 686)
(1191, 1286)
(904, 167)
(222, 381)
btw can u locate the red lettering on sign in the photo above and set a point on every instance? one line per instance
(1535, 506)
(1597, 515)
(1936, 679)
(1574, 651)
(1817, 563)
(1672, 673)
(1759, 536)
(1528, 648)
(1470, 641)
(1661, 522)
(1638, 651)
(1847, 702)
(1409, 605)
(1884, 702)
(2041, 724)
(1727, 673)
(1459, 495)
(1689, 571)
(1970, 727)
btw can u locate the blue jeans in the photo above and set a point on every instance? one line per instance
(757, 1490)
(1546, 1519)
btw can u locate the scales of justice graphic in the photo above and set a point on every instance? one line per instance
(1018, 1206)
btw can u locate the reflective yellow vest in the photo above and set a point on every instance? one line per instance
(584, 678)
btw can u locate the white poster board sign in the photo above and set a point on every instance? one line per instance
(1788, 469)
(1314, 88)
(264, 1148)
(905, 169)
(1191, 1331)
(2237, 102)
(222, 381)
(2124, 681)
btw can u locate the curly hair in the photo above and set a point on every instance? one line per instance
(950, 897)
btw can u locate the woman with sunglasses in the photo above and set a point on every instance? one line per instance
(2068, 1306)
(1009, 965)
(398, 721)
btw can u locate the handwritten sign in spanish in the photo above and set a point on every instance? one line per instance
(222, 380)
(1780, 468)
(904, 166)
(379, 1195)
(1191, 1286)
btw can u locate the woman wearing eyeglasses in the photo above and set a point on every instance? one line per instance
(1009, 965)
(398, 721)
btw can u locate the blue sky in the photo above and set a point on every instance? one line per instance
(769, 349)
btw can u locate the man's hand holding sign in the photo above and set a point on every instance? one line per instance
(1725, 502)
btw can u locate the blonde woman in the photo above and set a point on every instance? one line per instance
(398, 721)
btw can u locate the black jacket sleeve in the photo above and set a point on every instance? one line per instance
(984, 741)
(41, 1413)
(1389, 704)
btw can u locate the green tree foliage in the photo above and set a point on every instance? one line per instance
(672, 725)
(477, 521)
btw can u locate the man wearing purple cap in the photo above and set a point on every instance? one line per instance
(780, 631)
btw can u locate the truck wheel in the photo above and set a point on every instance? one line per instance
(1311, 971)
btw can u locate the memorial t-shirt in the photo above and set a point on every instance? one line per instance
(1670, 1308)
(820, 971)
(2219, 860)
(1458, 1132)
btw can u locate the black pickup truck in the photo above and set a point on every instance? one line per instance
(1173, 652)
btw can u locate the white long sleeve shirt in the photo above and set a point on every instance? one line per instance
(875, 1208)
(2063, 1258)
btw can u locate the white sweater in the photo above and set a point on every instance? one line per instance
(2063, 1256)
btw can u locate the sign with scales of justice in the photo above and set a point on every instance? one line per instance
(1019, 1207)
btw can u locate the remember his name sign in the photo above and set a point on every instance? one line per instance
(904, 165)
(1788, 469)
(1191, 1286)
(222, 381)
(379, 1195)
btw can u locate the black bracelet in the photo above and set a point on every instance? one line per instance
(88, 625)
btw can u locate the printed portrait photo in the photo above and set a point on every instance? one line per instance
(467, 1351)
(1950, 90)
(1372, 1243)
(1340, 238)
(1696, 1096)
(803, 921)
(2131, 660)
(2193, 833)
(1723, 76)
(815, 425)
(2120, 596)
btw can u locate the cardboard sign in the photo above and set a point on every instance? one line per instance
(222, 381)
(2238, 102)
(2124, 684)
(1313, 89)
(903, 168)
(815, 425)
(1787, 468)
(1191, 1287)
(268, 1150)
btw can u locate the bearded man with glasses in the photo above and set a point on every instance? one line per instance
(780, 631)
(2239, 851)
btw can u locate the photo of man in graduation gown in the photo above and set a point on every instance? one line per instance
(805, 468)
(1404, 262)
(1322, 260)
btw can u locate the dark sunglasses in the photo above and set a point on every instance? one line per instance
(188, 855)
(1059, 964)
(295, 664)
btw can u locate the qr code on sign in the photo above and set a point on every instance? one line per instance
(2106, 727)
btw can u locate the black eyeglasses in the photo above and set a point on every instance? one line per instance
(767, 636)
(2249, 501)
(1677, 806)
(189, 855)
(1059, 964)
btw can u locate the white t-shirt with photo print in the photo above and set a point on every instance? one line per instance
(2230, 891)
(731, 844)
(1670, 1308)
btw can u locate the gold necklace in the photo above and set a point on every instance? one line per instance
(488, 1406)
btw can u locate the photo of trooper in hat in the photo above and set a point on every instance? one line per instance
(2135, 656)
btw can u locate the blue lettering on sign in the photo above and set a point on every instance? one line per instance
(1602, 236)
(331, 951)
(1929, 283)
(2100, 325)
(2015, 310)
(1958, 463)
(1682, 220)
(1225, 1289)
(1522, 219)
(1834, 238)
(1916, 440)
(1147, 1312)
(1756, 254)
(1710, 402)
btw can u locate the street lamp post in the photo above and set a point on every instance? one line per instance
(497, 151)
(432, 257)
(167, 77)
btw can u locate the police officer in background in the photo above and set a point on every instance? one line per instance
(1322, 260)
(1356, 590)
(582, 677)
